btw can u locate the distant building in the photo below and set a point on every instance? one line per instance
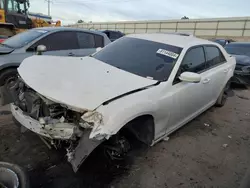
(44, 17)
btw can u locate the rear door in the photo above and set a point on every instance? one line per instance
(217, 70)
(88, 42)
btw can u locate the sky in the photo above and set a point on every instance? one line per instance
(69, 11)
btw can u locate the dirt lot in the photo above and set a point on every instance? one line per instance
(211, 151)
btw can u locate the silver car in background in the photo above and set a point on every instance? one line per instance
(59, 41)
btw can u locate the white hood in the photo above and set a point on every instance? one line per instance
(80, 83)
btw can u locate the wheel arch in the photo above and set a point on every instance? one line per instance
(142, 127)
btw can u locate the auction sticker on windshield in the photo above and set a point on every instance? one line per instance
(168, 53)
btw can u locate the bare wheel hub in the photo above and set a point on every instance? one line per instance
(117, 148)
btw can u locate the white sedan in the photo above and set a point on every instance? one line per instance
(147, 84)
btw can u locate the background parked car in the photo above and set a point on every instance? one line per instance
(59, 41)
(241, 51)
(223, 42)
(113, 35)
(2, 38)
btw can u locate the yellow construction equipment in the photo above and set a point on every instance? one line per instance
(14, 18)
(38, 22)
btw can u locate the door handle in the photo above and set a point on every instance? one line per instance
(206, 80)
(71, 54)
(225, 70)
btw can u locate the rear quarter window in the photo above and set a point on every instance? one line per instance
(99, 41)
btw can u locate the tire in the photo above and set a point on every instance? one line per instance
(221, 101)
(6, 74)
(7, 77)
(16, 171)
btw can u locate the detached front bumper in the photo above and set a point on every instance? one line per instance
(62, 131)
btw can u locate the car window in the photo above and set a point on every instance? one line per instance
(12, 6)
(1, 4)
(214, 56)
(86, 40)
(194, 61)
(63, 40)
(144, 58)
(99, 41)
(24, 38)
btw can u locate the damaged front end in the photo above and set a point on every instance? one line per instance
(241, 75)
(242, 70)
(55, 122)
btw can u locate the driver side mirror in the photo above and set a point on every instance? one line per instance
(40, 49)
(190, 77)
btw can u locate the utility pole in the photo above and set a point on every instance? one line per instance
(49, 1)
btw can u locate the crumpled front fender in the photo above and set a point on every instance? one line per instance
(84, 148)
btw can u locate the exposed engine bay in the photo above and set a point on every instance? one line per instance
(40, 108)
(60, 126)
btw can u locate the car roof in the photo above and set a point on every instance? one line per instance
(174, 39)
(67, 29)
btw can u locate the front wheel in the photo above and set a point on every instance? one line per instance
(12, 175)
(223, 95)
(7, 78)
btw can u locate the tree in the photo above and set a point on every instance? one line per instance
(80, 21)
(185, 18)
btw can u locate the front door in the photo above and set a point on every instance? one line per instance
(61, 43)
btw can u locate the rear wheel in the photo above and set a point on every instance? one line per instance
(223, 95)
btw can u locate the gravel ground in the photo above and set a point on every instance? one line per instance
(211, 151)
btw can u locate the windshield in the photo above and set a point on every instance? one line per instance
(238, 50)
(24, 38)
(141, 57)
